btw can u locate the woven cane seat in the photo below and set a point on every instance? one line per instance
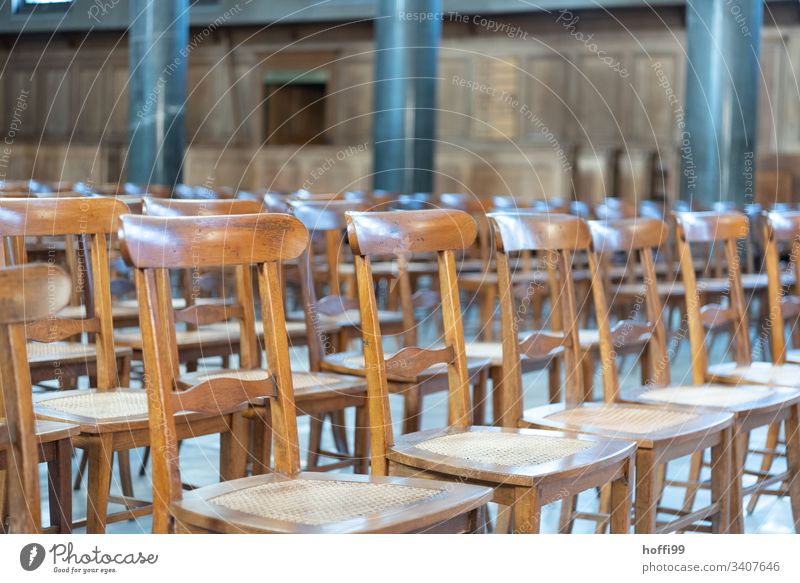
(703, 396)
(207, 335)
(636, 420)
(293, 329)
(126, 311)
(760, 373)
(300, 380)
(317, 502)
(48, 349)
(100, 405)
(504, 449)
(47, 352)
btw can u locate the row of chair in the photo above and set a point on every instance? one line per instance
(168, 242)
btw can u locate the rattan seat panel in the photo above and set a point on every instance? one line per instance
(184, 337)
(491, 350)
(101, 405)
(504, 449)
(317, 502)
(763, 373)
(640, 420)
(300, 380)
(44, 349)
(703, 396)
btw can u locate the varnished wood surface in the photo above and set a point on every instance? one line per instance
(603, 451)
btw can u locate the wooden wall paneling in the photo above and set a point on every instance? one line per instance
(56, 102)
(24, 101)
(591, 176)
(277, 169)
(453, 100)
(658, 100)
(633, 174)
(496, 100)
(597, 91)
(546, 110)
(117, 101)
(90, 101)
(351, 100)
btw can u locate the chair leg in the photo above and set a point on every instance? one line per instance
(100, 455)
(124, 466)
(314, 442)
(233, 449)
(771, 444)
(793, 462)
(59, 487)
(487, 312)
(503, 523)
(339, 430)
(262, 444)
(645, 499)
(738, 452)
(496, 373)
(82, 470)
(361, 446)
(604, 507)
(527, 511)
(3, 501)
(413, 410)
(554, 380)
(695, 470)
(720, 482)
(145, 461)
(479, 398)
(620, 511)
(587, 364)
(566, 520)
(478, 520)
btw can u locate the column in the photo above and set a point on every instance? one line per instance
(718, 147)
(158, 38)
(407, 38)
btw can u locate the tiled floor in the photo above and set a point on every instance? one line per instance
(199, 457)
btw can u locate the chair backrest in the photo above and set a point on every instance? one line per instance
(172, 207)
(91, 221)
(32, 292)
(442, 232)
(730, 230)
(636, 238)
(781, 237)
(559, 237)
(326, 222)
(153, 245)
(556, 237)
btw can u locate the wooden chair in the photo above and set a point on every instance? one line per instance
(65, 359)
(751, 406)
(661, 434)
(112, 417)
(316, 395)
(413, 387)
(526, 468)
(25, 442)
(781, 233)
(725, 229)
(287, 500)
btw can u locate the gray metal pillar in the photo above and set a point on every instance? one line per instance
(158, 39)
(407, 38)
(718, 146)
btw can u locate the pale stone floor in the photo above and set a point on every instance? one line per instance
(199, 457)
